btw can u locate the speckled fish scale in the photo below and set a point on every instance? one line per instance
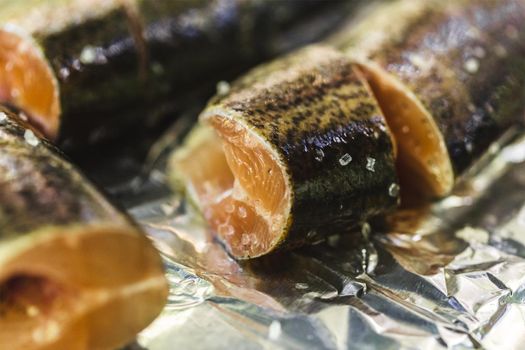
(111, 62)
(310, 102)
(463, 61)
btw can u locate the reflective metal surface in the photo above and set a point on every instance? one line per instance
(447, 275)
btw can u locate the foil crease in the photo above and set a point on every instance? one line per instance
(450, 275)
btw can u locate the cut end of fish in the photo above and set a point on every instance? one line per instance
(238, 183)
(81, 289)
(423, 162)
(27, 81)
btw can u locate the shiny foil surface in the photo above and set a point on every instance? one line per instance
(447, 275)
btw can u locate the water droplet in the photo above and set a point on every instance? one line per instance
(32, 311)
(417, 60)
(370, 164)
(30, 138)
(223, 88)
(319, 155)
(471, 65)
(366, 229)
(88, 55)
(345, 159)
(23, 116)
(275, 330)
(301, 285)
(242, 212)
(64, 73)
(393, 190)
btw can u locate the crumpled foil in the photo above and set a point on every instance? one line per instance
(448, 275)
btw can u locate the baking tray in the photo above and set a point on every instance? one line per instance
(447, 275)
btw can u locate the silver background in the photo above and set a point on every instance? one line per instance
(455, 277)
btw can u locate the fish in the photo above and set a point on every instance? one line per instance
(86, 71)
(296, 151)
(322, 141)
(449, 77)
(75, 272)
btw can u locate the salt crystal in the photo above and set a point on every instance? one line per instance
(275, 330)
(319, 155)
(393, 190)
(3, 118)
(366, 229)
(417, 60)
(471, 65)
(88, 55)
(23, 116)
(223, 88)
(30, 138)
(370, 164)
(301, 285)
(345, 159)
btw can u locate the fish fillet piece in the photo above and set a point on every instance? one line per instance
(297, 150)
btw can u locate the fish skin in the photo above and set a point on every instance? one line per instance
(115, 60)
(318, 102)
(39, 188)
(459, 60)
(46, 205)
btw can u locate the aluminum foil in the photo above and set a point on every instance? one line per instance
(447, 275)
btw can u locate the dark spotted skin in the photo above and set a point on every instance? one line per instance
(310, 103)
(146, 52)
(39, 189)
(465, 61)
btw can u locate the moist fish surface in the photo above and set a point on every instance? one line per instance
(75, 273)
(296, 151)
